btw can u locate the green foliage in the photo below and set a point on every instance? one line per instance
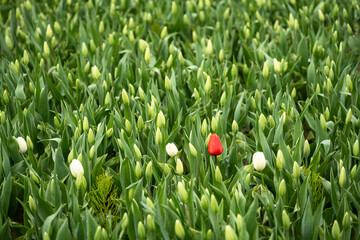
(317, 189)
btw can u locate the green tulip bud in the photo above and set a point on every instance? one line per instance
(214, 204)
(167, 83)
(230, 233)
(141, 230)
(2, 117)
(137, 152)
(286, 220)
(221, 55)
(193, 150)
(280, 162)
(179, 167)
(29, 143)
(150, 222)
(104, 234)
(32, 204)
(125, 221)
(349, 83)
(125, 97)
(140, 123)
(346, 221)
(95, 73)
(158, 137)
(321, 16)
(277, 66)
(353, 172)
(46, 49)
(204, 202)
(306, 148)
(160, 121)
(214, 124)
(342, 177)
(101, 27)
(85, 124)
(348, 116)
(8, 42)
(182, 192)
(356, 148)
(209, 235)
(218, 175)
(107, 100)
(208, 85)
(25, 58)
(97, 235)
(147, 55)
(262, 121)
(46, 236)
(252, 103)
(84, 50)
(91, 137)
(271, 121)
(223, 99)
(148, 171)
(282, 188)
(234, 127)
(266, 69)
(296, 170)
(204, 127)
(163, 33)
(327, 114)
(92, 153)
(128, 126)
(138, 170)
(150, 203)
(151, 111)
(239, 222)
(209, 48)
(335, 231)
(179, 229)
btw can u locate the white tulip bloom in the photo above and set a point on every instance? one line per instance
(22, 144)
(76, 168)
(171, 149)
(259, 161)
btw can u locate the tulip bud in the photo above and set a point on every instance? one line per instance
(147, 55)
(193, 150)
(223, 99)
(356, 148)
(353, 172)
(335, 231)
(95, 73)
(32, 204)
(92, 153)
(160, 121)
(259, 161)
(204, 127)
(2, 117)
(138, 170)
(148, 171)
(22, 144)
(348, 116)
(125, 221)
(286, 220)
(235, 127)
(327, 114)
(182, 192)
(84, 50)
(346, 221)
(208, 85)
(252, 103)
(141, 230)
(91, 137)
(107, 100)
(143, 45)
(46, 49)
(8, 42)
(349, 84)
(323, 122)
(204, 202)
(76, 168)
(128, 126)
(46, 236)
(179, 167)
(163, 33)
(125, 97)
(262, 121)
(158, 137)
(218, 175)
(85, 124)
(78, 181)
(151, 111)
(342, 177)
(214, 124)
(306, 148)
(321, 16)
(266, 69)
(209, 48)
(214, 204)
(167, 83)
(282, 188)
(280, 162)
(277, 66)
(230, 233)
(296, 170)
(221, 55)
(179, 229)
(137, 151)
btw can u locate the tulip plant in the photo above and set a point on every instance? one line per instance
(197, 119)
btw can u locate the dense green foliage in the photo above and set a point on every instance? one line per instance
(111, 83)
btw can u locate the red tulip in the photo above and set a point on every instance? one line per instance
(214, 147)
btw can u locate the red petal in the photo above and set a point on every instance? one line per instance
(214, 146)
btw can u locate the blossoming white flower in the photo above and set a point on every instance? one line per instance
(22, 144)
(171, 149)
(76, 168)
(259, 161)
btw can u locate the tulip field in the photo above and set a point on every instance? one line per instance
(197, 119)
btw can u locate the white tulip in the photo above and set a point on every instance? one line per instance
(259, 161)
(76, 168)
(171, 149)
(22, 144)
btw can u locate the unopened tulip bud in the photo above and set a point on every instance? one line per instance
(277, 66)
(169, 62)
(223, 99)
(141, 230)
(158, 137)
(84, 50)
(193, 150)
(128, 126)
(91, 137)
(323, 122)
(2, 117)
(107, 100)
(46, 49)
(271, 121)
(234, 127)
(76, 168)
(148, 171)
(296, 170)
(327, 114)
(32, 204)
(29, 143)
(25, 58)
(34, 177)
(286, 220)
(252, 103)
(230, 233)
(85, 124)
(160, 120)
(204, 127)
(101, 27)
(147, 55)
(266, 69)
(204, 202)
(353, 172)
(209, 48)
(214, 204)
(150, 222)
(125, 221)
(95, 73)
(262, 121)
(239, 222)
(138, 170)
(306, 148)
(208, 85)
(348, 116)
(163, 32)
(92, 153)
(214, 124)
(182, 192)
(342, 177)
(321, 16)
(282, 188)
(280, 162)
(167, 83)
(335, 231)
(140, 123)
(346, 221)
(234, 71)
(137, 152)
(356, 148)
(221, 55)
(171, 149)
(218, 175)
(179, 229)
(179, 167)
(143, 45)
(349, 83)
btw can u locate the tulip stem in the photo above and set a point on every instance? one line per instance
(215, 161)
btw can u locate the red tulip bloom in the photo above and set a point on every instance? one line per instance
(214, 147)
